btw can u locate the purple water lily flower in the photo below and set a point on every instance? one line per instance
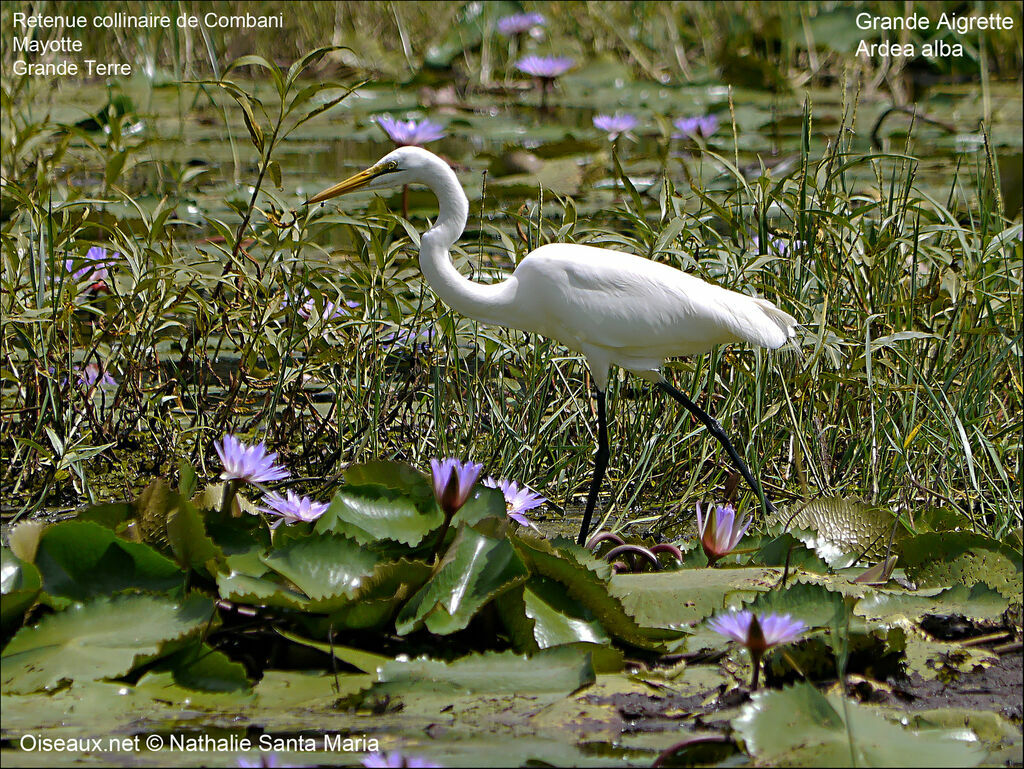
(545, 67)
(247, 463)
(517, 500)
(758, 633)
(93, 375)
(721, 531)
(261, 761)
(410, 336)
(95, 267)
(778, 245)
(395, 760)
(691, 126)
(774, 629)
(410, 132)
(519, 23)
(293, 508)
(615, 125)
(453, 480)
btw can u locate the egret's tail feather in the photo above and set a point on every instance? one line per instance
(780, 328)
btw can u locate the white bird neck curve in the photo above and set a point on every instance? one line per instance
(487, 303)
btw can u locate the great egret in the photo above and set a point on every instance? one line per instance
(613, 307)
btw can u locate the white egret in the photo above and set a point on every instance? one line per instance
(613, 307)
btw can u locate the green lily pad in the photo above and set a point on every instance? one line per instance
(373, 513)
(815, 605)
(962, 558)
(100, 639)
(685, 597)
(561, 670)
(325, 566)
(834, 527)
(475, 570)
(79, 559)
(977, 602)
(589, 581)
(799, 726)
(21, 585)
(198, 666)
(191, 545)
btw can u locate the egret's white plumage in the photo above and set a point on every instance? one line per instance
(614, 307)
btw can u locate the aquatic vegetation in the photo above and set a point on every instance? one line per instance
(96, 267)
(778, 245)
(91, 374)
(519, 499)
(396, 760)
(251, 464)
(261, 761)
(453, 480)
(292, 508)
(519, 23)
(689, 127)
(545, 67)
(615, 125)
(720, 531)
(410, 132)
(758, 633)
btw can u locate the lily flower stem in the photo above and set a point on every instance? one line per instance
(756, 659)
(441, 535)
(230, 489)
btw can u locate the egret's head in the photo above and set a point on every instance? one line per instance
(406, 165)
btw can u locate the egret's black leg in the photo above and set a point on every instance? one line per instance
(716, 430)
(600, 465)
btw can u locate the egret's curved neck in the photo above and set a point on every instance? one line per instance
(487, 303)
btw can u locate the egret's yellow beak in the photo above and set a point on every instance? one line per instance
(353, 182)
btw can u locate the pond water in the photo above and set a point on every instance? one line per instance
(524, 148)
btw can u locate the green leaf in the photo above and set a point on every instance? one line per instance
(111, 514)
(368, 662)
(373, 513)
(21, 585)
(840, 526)
(559, 619)
(814, 604)
(798, 726)
(556, 670)
(586, 579)
(187, 479)
(99, 639)
(305, 60)
(962, 558)
(192, 547)
(380, 595)
(198, 666)
(977, 602)
(787, 547)
(79, 559)
(475, 570)
(483, 502)
(324, 566)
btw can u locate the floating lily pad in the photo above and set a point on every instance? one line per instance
(21, 585)
(99, 639)
(475, 570)
(799, 726)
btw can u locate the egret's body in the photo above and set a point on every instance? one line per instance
(613, 307)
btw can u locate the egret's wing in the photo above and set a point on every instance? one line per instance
(582, 295)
